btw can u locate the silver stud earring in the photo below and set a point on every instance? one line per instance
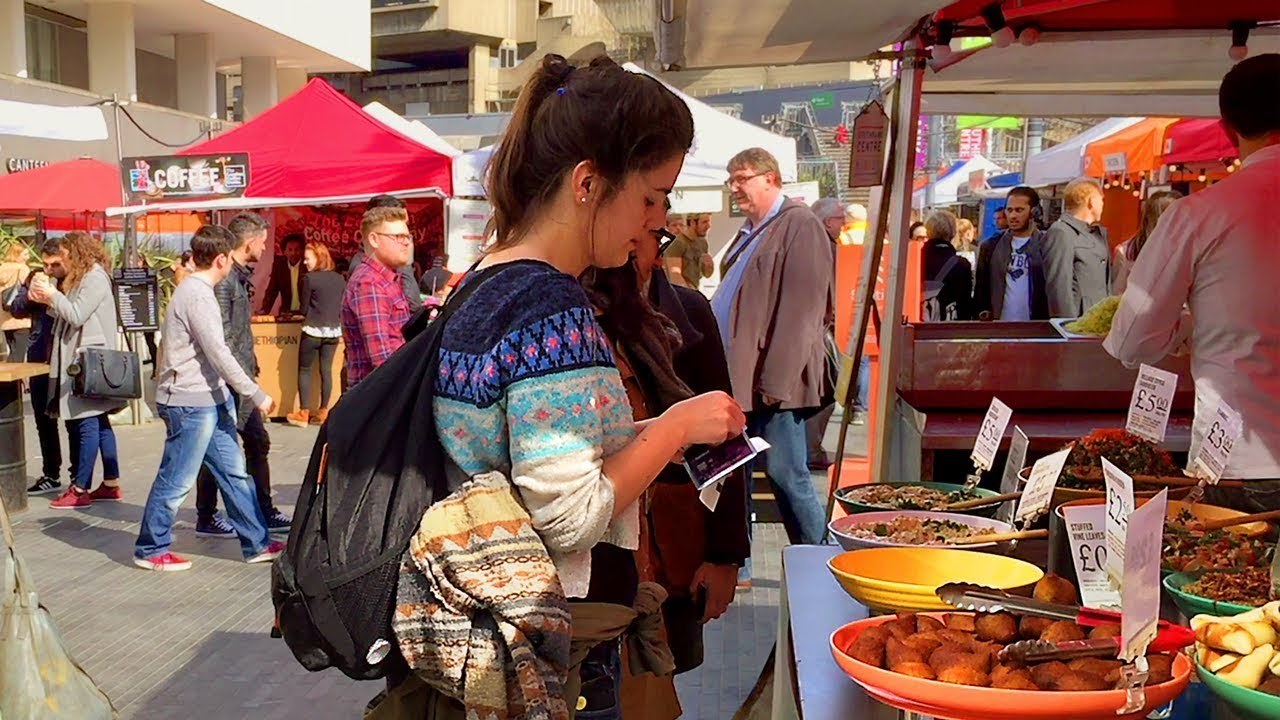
(582, 199)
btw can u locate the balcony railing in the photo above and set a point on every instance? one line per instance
(381, 5)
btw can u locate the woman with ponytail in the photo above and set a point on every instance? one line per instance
(528, 384)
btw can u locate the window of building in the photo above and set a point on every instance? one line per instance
(42, 50)
(507, 57)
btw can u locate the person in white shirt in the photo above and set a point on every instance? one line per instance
(1214, 253)
(1009, 282)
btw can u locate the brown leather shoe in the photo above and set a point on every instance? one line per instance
(318, 417)
(298, 418)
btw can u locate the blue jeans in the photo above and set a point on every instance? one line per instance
(787, 463)
(90, 437)
(195, 436)
(864, 383)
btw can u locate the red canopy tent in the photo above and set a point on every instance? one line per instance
(1197, 141)
(83, 185)
(318, 147)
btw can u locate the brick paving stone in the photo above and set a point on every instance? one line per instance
(171, 646)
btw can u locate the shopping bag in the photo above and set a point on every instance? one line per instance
(39, 680)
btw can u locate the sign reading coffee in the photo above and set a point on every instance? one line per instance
(187, 177)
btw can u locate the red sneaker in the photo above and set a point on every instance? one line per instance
(107, 493)
(166, 562)
(72, 499)
(271, 552)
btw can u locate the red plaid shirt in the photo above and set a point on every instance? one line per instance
(374, 311)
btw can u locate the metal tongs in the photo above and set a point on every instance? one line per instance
(967, 596)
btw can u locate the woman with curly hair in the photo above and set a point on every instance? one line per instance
(84, 316)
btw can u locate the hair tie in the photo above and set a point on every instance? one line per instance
(560, 91)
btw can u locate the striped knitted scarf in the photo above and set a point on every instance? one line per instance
(480, 614)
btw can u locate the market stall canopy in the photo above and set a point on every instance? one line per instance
(411, 128)
(318, 147)
(947, 187)
(1064, 162)
(52, 122)
(1136, 149)
(82, 185)
(717, 137)
(1197, 141)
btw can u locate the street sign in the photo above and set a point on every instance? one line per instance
(869, 141)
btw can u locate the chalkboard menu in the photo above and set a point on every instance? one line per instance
(137, 299)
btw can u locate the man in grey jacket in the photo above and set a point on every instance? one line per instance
(773, 305)
(1077, 257)
(199, 414)
(235, 298)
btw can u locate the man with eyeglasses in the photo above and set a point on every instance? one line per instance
(773, 305)
(374, 306)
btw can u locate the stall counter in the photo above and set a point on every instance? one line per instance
(276, 345)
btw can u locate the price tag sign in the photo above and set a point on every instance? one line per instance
(1151, 402)
(1119, 508)
(1039, 490)
(1140, 596)
(990, 434)
(1215, 450)
(1013, 466)
(1086, 532)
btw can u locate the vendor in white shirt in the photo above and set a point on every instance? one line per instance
(1215, 252)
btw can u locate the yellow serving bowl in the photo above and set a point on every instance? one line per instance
(906, 578)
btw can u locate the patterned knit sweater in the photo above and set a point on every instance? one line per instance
(528, 387)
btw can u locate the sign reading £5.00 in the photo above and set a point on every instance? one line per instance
(186, 177)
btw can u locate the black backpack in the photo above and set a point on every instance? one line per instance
(931, 309)
(375, 468)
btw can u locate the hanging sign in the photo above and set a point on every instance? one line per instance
(1116, 163)
(137, 296)
(869, 141)
(186, 177)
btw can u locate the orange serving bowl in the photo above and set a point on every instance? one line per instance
(906, 578)
(966, 702)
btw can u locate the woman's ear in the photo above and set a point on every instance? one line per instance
(584, 182)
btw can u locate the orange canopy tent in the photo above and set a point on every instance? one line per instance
(1140, 146)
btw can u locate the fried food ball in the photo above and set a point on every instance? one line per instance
(1108, 670)
(1046, 675)
(869, 647)
(1104, 631)
(926, 624)
(898, 653)
(1000, 627)
(1001, 669)
(958, 637)
(1016, 679)
(1080, 681)
(1161, 669)
(960, 621)
(1056, 589)
(960, 674)
(949, 656)
(1062, 631)
(1031, 628)
(925, 643)
(916, 670)
(901, 627)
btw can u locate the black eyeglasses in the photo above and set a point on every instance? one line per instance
(665, 238)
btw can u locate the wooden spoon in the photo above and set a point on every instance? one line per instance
(1231, 522)
(981, 502)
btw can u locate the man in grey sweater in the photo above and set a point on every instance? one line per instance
(199, 414)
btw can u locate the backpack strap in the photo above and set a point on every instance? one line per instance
(947, 267)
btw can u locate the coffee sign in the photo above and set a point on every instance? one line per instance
(187, 177)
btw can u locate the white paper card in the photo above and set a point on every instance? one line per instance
(990, 433)
(1151, 402)
(1013, 465)
(710, 495)
(1140, 596)
(1215, 450)
(1086, 532)
(1039, 490)
(1119, 508)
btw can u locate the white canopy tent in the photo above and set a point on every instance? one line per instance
(411, 128)
(947, 187)
(1064, 162)
(717, 137)
(52, 122)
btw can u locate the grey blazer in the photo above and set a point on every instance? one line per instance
(86, 317)
(1077, 263)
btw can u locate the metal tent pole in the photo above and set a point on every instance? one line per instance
(908, 110)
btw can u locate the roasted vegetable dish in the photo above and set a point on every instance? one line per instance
(907, 497)
(1187, 550)
(908, 530)
(1132, 454)
(1250, 586)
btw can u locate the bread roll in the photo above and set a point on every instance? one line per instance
(1227, 636)
(1214, 660)
(1249, 670)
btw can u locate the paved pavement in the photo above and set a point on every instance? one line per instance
(195, 644)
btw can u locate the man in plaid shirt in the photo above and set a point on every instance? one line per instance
(374, 306)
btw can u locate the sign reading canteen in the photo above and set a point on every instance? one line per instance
(187, 177)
